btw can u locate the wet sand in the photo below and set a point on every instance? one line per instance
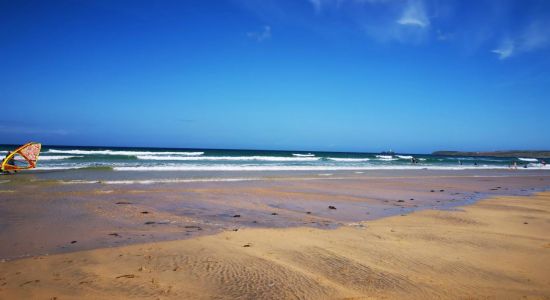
(496, 248)
(40, 216)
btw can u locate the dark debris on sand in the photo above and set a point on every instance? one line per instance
(123, 202)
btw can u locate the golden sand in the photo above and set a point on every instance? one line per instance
(497, 248)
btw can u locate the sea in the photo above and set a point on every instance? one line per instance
(224, 160)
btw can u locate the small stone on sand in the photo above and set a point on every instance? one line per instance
(123, 202)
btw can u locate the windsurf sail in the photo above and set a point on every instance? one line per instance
(22, 158)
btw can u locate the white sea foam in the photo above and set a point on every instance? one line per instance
(227, 158)
(384, 157)
(79, 181)
(58, 157)
(127, 153)
(404, 156)
(54, 168)
(389, 158)
(348, 159)
(189, 180)
(528, 159)
(303, 155)
(300, 168)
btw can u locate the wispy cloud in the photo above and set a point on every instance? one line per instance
(414, 15)
(381, 20)
(534, 36)
(505, 29)
(317, 4)
(262, 35)
(505, 50)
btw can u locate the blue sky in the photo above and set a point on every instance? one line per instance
(342, 75)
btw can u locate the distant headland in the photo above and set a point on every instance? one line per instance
(511, 153)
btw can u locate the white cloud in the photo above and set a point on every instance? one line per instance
(505, 50)
(533, 37)
(317, 4)
(414, 15)
(261, 36)
(383, 20)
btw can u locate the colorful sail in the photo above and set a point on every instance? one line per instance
(22, 158)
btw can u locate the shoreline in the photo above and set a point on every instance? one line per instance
(61, 218)
(497, 247)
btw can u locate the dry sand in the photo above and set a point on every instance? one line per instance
(497, 248)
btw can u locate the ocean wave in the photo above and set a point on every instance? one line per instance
(54, 168)
(227, 158)
(303, 155)
(385, 157)
(79, 181)
(153, 181)
(342, 159)
(59, 157)
(117, 152)
(477, 159)
(528, 159)
(303, 168)
(404, 156)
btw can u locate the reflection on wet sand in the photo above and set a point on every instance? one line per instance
(40, 216)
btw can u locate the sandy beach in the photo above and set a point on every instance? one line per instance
(274, 149)
(496, 248)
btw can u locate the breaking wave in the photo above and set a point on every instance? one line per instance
(348, 159)
(128, 153)
(227, 158)
(59, 157)
(528, 159)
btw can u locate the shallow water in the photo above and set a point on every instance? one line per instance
(44, 212)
